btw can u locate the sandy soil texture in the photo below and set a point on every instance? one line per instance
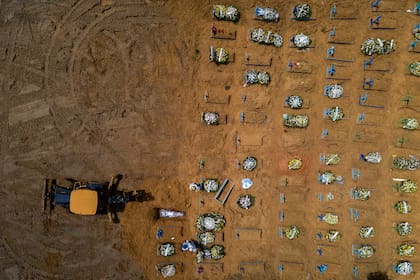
(94, 88)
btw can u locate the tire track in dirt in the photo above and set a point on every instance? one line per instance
(131, 127)
(32, 151)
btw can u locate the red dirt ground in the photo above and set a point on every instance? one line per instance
(94, 88)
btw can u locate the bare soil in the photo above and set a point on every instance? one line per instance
(94, 88)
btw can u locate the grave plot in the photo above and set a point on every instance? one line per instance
(166, 232)
(362, 269)
(405, 249)
(295, 121)
(291, 250)
(258, 60)
(220, 55)
(362, 215)
(366, 136)
(334, 54)
(409, 142)
(246, 142)
(413, 46)
(329, 217)
(292, 232)
(293, 163)
(339, 72)
(404, 267)
(329, 270)
(291, 269)
(413, 70)
(403, 228)
(292, 181)
(369, 119)
(404, 162)
(266, 14)
(296, 102)
(293, 198)
(248, 234)
(361, 193)
(299, 67)
(294, 140)
(337, 91)
(364, 251)
(219, 82)
(289, 217)
(265, 36)
(212, 165)
(223, 34)
(382, 6)
(343, 12)
(331, 158)
(404, 185)
(328, 177)
(168, 250)
(302, 41)
(248, 163)
(213, 268)
(168, 269)
(375, 83)
(334, 114)
(409, 124)
(334, 135)
(302, 12)
(368, 157)
(254, 101)
(216, 98)
(367, 230)
(219, 237)
(305, 84)
(383, 22)
(330, 198)
(218, 141)
(253, 267)
(252, 117)
(329, 237)
(410, 102)
(372, 100)
(330, 251)
(212, 118)
(377, 65)
(367, 173)
(340, 37)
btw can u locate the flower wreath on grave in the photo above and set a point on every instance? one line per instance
(333, 236)
(167, 249)
(407, 186)
(377, 46)
(210, 222)
(246, 201)
(403, 207)
(366, 232)
(404, 228)
(228, 13)
(302, 11)
(292, 232)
